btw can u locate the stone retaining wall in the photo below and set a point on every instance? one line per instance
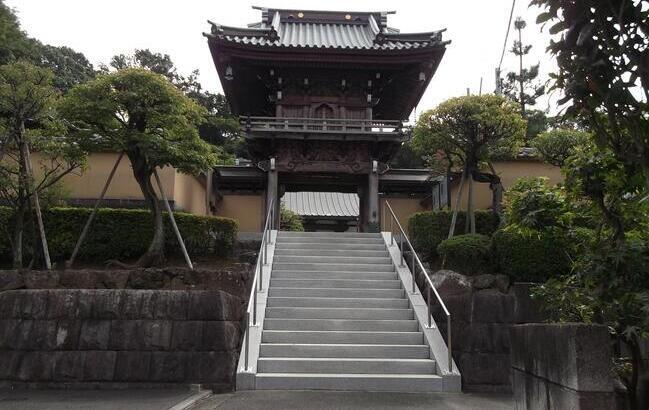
(110, 337)
(481, 320)
(562, 366)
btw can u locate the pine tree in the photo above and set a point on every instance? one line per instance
(522, 86)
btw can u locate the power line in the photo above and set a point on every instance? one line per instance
(509, 25)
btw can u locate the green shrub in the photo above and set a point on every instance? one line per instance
(529, 255)
(533, 203)
(290, 221)
(467, 254)
(429, 229)
(123, 233)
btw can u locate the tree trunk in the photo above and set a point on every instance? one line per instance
(470, 228)
(154, 256)
(17, 240)
(458, 199)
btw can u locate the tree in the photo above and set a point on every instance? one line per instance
(69, 67)
(142, 114)
(556, 146)
(468, 132)
(29, 122)
(220, 127)
(522, 86)
(601, 49)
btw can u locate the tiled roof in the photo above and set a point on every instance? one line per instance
(363, 32)
(331, 204)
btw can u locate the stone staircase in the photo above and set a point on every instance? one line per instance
(337, 317)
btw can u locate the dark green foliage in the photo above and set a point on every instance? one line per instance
(529, 255)
(555, 146)
(290, 221)
(467, 254)
(124, 234)
(429, 229)
(533, 203)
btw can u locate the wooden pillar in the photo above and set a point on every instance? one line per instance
(373, 198)
(362, 209)
(272, 193)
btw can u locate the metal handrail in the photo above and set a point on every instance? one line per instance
(417, 262)
(257, 281)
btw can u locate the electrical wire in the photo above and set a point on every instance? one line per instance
(509, 25)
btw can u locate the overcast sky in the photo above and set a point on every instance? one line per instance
(101, 29)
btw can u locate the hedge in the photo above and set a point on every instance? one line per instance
(468, 254)
(528, 255)
(122, 233)
(429, 229)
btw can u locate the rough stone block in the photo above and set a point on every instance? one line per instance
(99, 365)
(485, 369)
(114, 279)
(573, 355)
(94, 335)
(11, 304)
(67, 334)
(187, 335)
(34, 304)
(41, 279)
(69, 365)
(214, 305)
(148, 305)
(485, 281)
(132, 366)
(533, 393)
(491, 306)
(527, 310)
(131, 302)
(21, 334)
(156, 334)
(221, 336)
(172, 305)
(126, 335)
(8, 328)
(213, 367)
(10, 280)
(36, 367)
(9, 364)
(62, 303)
(169, 366)
(106, 303)
(42, 335)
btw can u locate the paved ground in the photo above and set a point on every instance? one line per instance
(313, 400)
(23, 399)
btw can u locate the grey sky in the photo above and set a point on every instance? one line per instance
(101, 29)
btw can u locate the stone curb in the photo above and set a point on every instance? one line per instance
(191, 401)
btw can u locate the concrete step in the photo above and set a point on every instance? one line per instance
(287, 274)
(336, 235)
(346, 240)
(337, 302)
(344, 350)
(322, 266)
(345, 365)
(338, 313)
(337, 246)
(332, 336)
(342, 324)
(336, 292)
(350, 382)
(333, 252)
(335, 283)
(285, 257)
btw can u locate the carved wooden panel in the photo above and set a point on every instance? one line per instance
(322, 156)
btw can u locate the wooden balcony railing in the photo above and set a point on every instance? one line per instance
(278, 125)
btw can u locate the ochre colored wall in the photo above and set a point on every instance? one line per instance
(189, 194)
(87, 184)
(247, 209)
(509, 172)
(403, 208)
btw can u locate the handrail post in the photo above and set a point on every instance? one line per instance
(247, 345)
(414, 270)
(430, 324)
(448, 343)
(401, 248)
(391, 233)
(254, 308)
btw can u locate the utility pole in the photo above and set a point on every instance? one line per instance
(520, 24)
